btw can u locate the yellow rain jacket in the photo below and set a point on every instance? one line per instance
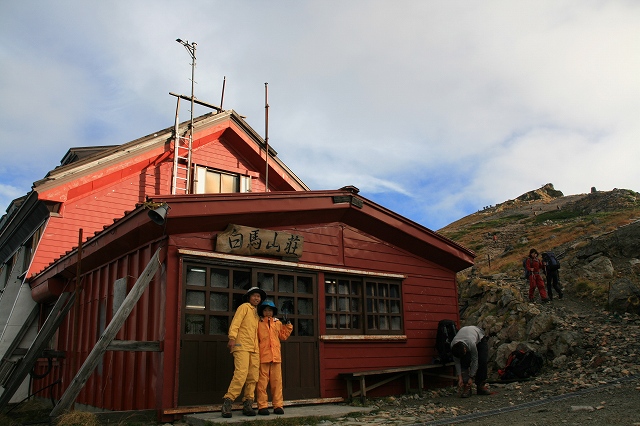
(244, 328)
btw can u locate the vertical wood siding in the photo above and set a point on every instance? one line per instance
(123, 380)
(429, 294)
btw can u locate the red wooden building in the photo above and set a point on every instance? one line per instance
(364, 286)
(366, 291)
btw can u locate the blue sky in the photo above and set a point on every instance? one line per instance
(434, 109)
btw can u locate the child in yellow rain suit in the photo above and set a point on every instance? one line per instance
(270, 331)
(243, 344)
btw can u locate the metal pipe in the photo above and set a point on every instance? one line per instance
(266, 135)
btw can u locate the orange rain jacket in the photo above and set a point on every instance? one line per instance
(270, 332)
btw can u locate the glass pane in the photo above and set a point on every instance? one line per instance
(285, 305)
(383, 290)
(330, 287)
(241, 280)
(345, 321)
(355, 305)
(194, 324)
(305, 327)
(394, 291)
(331, 322)
(343, 304)
(305, 306)
(285, 284)
(195, 299)
(330, 303)
(396, 323)
(371, 322)
(305, 285)
(355, 288)
(237, 301)
(196, 276)
(343, 287)
(218, 325)
(355, 321)
(220, 278)
(371, 306)
(219, 302)
(212, 183)
(371, 289)
(382, 306)
(395, 306)
(384, 323)
(228, 183)
(266, 281)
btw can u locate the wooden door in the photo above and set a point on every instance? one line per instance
(211, 295)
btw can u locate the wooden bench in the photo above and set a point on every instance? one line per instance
(397, 372)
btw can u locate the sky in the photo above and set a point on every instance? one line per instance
(433, 109)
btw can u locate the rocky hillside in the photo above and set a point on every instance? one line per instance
(596, 237)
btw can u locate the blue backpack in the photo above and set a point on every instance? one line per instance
(551, 261)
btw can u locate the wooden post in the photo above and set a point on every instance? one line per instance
(107, 336)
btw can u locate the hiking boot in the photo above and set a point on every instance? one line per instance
(278, 410)
(247, 408)
(560, 296)
(483, 390)
(226, 408)
(466, 393)
(545, 300)
(531, 300)
(263, 411)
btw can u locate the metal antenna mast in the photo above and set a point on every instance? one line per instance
(266, 136)
(191, 48)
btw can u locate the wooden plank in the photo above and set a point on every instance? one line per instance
(397, 369)
(134, 346)
(107, 336)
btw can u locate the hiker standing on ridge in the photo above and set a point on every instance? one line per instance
(470, 352)
(551, 267)
(534, 266)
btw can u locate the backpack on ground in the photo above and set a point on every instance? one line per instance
(526, 271)
(521, 364)
(552, 262)
(446, 332)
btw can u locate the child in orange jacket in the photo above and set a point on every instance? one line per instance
(270, 332)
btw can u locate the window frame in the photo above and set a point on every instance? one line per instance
(366, 315)
(242, 184)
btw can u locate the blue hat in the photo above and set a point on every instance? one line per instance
(267, 303)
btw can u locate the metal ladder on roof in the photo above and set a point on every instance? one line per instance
(182, 149)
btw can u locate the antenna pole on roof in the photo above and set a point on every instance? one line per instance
(224, 82)
(191, 48)
(266, 135)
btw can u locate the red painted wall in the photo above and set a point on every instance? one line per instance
(148, 380)
(122, 380)
(97, 198)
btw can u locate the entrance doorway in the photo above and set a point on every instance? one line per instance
(211, 294)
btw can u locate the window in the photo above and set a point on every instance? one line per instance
(209, 181)
(214, 292)
(362, 306)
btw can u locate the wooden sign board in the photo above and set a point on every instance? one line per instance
(247, 241)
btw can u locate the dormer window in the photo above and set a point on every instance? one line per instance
(211, 181)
